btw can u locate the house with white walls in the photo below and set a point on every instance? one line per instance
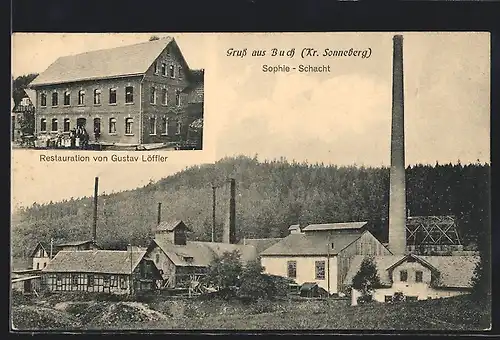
(419, 277)
(320, 253)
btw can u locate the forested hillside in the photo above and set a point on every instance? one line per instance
(271, 195)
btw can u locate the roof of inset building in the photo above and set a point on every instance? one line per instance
(106, 63)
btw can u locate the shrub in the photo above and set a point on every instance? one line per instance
(366, 279)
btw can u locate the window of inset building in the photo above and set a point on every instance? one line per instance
(179, 128)
(43, 124)
(164, 125)
(129, 94)
(66, 125)
(67, 97)
(164, 96)
(178, 98)
(97, 96)
(163, 69)
(152, 98)
(171, 71)
(129, 122)
(55, 99)
(152, 125)
(112, 125)
(81, 97)
(43, 99)
(112, 96)
(54, 125)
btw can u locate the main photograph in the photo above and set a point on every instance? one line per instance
(349, 191)
(107, 91)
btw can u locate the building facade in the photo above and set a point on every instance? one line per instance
(320, 254)
(419, 277)
(130, 95)
(100, 271)
(23, 116)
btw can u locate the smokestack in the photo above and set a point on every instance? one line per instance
(159, 214)
(230, 228)
(397, 194)
(94, 229)
(214, 197)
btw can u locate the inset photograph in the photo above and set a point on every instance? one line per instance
(140, 95)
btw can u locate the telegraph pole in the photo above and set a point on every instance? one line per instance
(214, 188)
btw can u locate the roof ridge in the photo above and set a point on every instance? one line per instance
(118, 47)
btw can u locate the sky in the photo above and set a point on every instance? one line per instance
(342, 117)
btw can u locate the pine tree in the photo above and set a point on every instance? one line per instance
(366, 279)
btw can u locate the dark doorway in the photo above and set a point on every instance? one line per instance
(27, 287)
(97, 128)
(81, 122)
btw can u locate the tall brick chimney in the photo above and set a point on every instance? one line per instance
(397, 194)
(94, 224)
(229, 234)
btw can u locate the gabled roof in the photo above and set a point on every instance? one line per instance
(311, 244)
(94, 261)
(171, 225)
(260, 244)
(200, 254)
(335, 226)
(454, 271)
(108, 63)
(45, 246)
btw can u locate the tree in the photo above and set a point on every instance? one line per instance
(20, 84)
(225, 271)
(366, 279)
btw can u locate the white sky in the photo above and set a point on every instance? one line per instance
(342, 117)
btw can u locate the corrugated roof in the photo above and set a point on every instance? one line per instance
(311, 244)
(260, 244)
(454, 271)
(335, 226)
(171, 225)
(108, 63)
(94, 261)
(201, 254)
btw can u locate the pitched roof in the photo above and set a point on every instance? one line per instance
(171, 225)
(454, 271)
(311, 244)
(202, 253)
(335, 226)
(41, 244)
(260, 244)
(108, 63)
(94, 261)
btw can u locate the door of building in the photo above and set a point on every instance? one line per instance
(81, 122)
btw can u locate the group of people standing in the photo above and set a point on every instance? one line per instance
(82, 135)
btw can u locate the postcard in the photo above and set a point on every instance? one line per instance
(250, 181)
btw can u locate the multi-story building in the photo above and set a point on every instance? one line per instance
(131, 95)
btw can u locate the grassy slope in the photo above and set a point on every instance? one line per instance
(458, 313)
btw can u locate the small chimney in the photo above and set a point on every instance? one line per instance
(159, 214)
(94, 229)
(397, 193)
(229, 235)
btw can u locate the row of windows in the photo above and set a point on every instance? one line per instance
(403, 276)
(112, 98)
(164, 96)
(129, 122)
(319, 269)
(167, 70)
(106, 280)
